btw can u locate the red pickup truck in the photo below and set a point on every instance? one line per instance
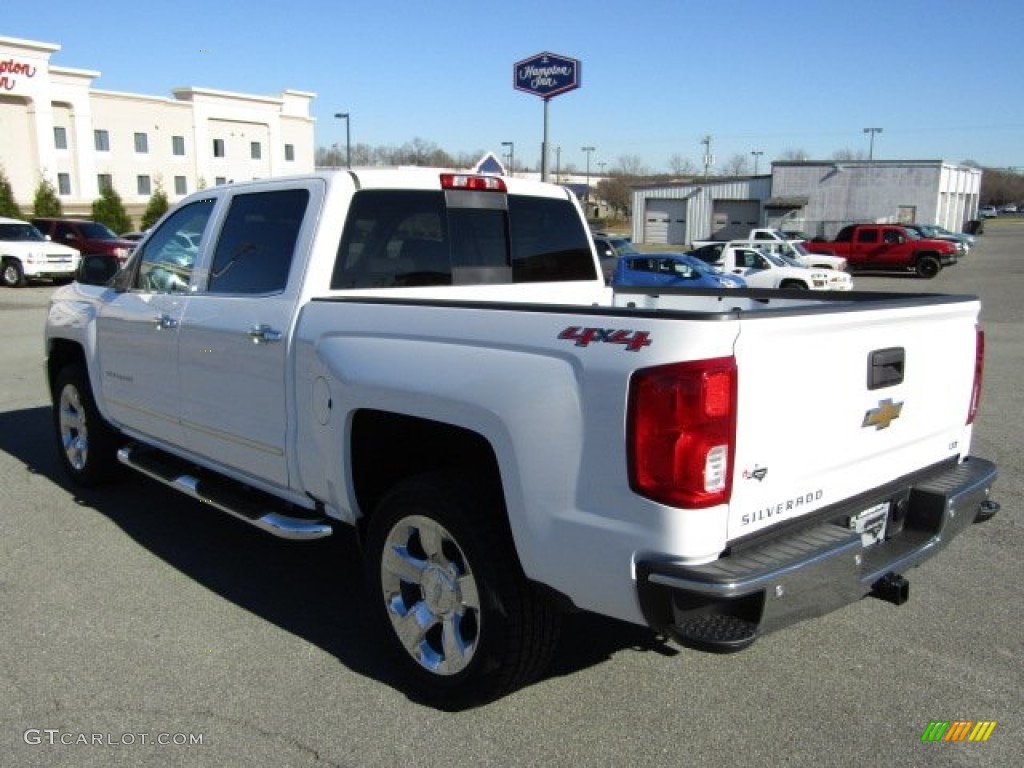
(887, 247)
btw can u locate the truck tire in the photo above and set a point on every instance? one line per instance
(927, 266)
(447, 591)
(11, 274)
(87, 444)
(793, 285)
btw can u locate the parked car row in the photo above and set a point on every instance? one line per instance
(991, 211)
(759, 262)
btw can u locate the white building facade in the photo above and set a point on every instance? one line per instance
(56, 126)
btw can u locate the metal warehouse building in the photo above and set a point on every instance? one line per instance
(815, 197)
(681, 213)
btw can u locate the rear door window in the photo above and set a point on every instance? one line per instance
(257, 242)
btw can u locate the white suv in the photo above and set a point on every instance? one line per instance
(26, 254)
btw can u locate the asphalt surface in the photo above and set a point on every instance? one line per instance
(132, 615)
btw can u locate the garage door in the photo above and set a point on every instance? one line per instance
(665, 222)
(733, 219)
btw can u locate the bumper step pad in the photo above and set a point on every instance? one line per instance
(718, 633)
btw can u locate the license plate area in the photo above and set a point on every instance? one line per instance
(870, 523)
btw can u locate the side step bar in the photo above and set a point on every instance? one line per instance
(223, 494)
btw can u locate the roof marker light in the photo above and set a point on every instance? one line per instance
(471, 182)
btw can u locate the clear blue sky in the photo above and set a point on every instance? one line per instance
(944, 80)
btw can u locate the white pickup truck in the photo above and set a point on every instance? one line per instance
(434, 359)
(761, 268)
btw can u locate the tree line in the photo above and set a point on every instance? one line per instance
(107, 209)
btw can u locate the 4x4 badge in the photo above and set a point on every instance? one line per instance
(884, 415)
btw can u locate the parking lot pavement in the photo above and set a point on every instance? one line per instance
(137, 623)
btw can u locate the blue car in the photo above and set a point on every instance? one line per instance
(670, 270)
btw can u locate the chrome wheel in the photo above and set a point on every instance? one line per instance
(431, 595)
(87, 445)
(74, 430)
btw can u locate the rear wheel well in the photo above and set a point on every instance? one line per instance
(389, 447)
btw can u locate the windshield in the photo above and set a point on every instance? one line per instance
(777, 260)
(20, 233)
(911, 234)
(93, 230)
(801, 249)
(622, 246)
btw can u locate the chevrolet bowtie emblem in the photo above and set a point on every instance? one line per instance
(884, 415)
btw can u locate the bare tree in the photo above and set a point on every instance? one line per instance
(795, 154)
(615, 190)
(737, 165)
(631, 165)
(849, 154)
(682, 166)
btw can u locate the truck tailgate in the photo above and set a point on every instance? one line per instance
(832, 405)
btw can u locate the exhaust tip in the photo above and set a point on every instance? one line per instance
(893, 588)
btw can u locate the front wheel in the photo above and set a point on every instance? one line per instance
(85, 442)
(927, 267)
(794, 285)
(460, 618)
(11, 274)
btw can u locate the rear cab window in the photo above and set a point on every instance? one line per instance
(402, 238)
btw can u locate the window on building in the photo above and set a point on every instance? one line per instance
(144, 185)
(60, 137)
(218, 147)
(102, 140)
(255, 150)
(63, 184)
(104, 181)
(180, 185)
(289, 153)
(141, 143)
(178, 145)
(220, 180)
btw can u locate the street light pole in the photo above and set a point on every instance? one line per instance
(588, 150)
(511, 156)
(871, 145)
(348, 137)
(757, 156)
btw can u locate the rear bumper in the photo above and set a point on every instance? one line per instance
(816, 569)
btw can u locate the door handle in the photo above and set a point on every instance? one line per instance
(263, 334)
(165, 321)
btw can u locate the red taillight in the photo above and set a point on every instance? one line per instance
(682, 432)
(471, 182)
(979, 365)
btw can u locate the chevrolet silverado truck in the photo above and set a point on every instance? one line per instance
(888, 247)
(434, 359)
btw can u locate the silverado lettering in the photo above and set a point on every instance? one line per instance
(783, 507)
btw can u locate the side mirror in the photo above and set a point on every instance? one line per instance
(97, 269)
